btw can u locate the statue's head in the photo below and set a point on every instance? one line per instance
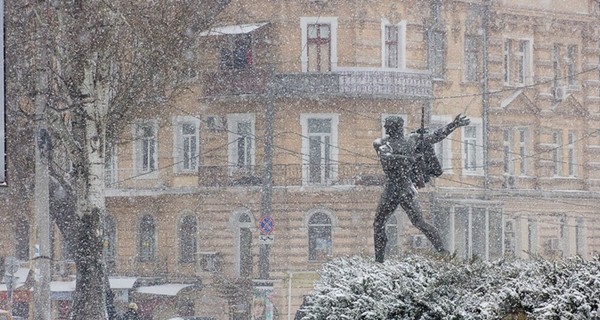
(393, 125)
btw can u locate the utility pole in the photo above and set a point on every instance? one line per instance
(42, 305)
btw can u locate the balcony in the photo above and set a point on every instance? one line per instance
(348, 82)
(283, 175)
(293, 175)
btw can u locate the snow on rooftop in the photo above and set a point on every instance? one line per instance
(233, 29)
(169, 289)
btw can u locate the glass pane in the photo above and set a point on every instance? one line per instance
(461, 237)
(319, 125)
(312, 31)
(478, 233)
(315, 159)
(319, 218)
(188, 128)
(441, 220)
(245, 252)
(495, 235)
(324, 29)
(313, 56)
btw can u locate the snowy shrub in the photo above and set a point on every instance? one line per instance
(418, 287)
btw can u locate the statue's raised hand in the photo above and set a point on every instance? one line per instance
(461, 121)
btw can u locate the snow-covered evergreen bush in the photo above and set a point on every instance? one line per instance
(420, 287)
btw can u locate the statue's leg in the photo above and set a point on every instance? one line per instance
(411, 206)
(387, 204)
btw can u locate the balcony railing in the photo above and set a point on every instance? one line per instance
(282, 175)
(292, 175)
(344, 83)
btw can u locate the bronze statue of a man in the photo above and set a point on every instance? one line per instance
(402, 161)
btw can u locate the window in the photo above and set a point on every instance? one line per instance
(110, 241)
(147, 238)
(580, 237)
(393, 44)
(319, 148)
(508, 168)
(523, 151)
(391, 232)
(245, 245)
(236, 53)
(474, 231)
(557, 80)
(241, 142)
(319, 237)
(110, 165)
(145, 153)
(557, 152)
(506, 60)
(510, 238)
(517, 62)
(572, 65)
(472, 58)
(572, 155)
(22, 239)
(67, 249)
(531, 236)
(472, 137)
(438, 47)
(186, 145)
(564, 236)
(188, 248)
(319, 49)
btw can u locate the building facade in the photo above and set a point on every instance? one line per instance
(286, 98)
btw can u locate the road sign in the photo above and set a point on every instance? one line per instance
(266, 225)
(266, 239)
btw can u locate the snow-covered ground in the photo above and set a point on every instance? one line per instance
(420, 287)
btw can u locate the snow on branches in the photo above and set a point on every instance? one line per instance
(417, 287)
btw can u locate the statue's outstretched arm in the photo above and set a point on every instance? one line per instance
(441, 133)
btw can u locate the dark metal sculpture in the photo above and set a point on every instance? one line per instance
(408, 162)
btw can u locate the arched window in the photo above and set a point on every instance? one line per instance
(22, 239)
(147, 238)
(110, 239)
(187, 239)
(245, 244)
(391, 231)
(319, 237)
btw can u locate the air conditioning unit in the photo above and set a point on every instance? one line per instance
(210, 261)
(510, 182)
(419, 241)
(215, 123)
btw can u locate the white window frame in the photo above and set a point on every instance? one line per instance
(478, 148)
(236, 226)
(386, 115)
(525, 58)
(232, 155)
(178, 143)
(304, 22)
(445, 146)
(401, 54)
(306, 145)
(139, 173)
